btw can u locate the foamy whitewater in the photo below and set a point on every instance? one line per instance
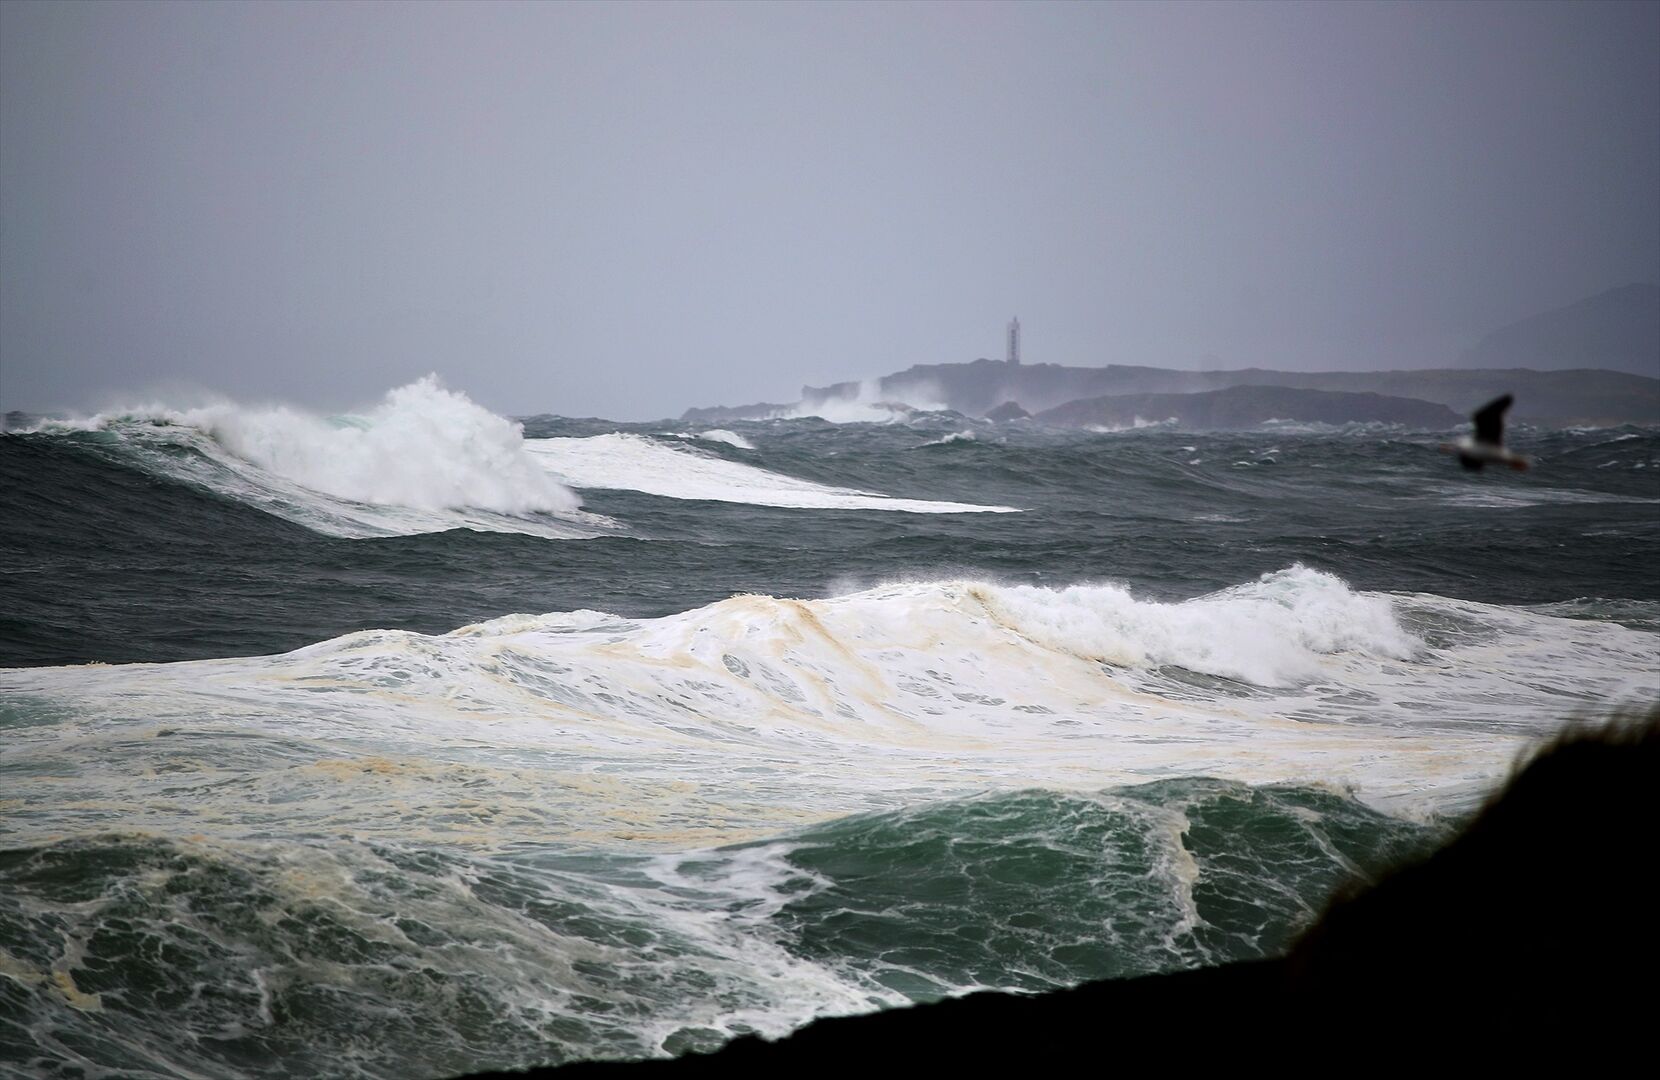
(327, 752)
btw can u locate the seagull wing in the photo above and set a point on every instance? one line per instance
(1489, 420)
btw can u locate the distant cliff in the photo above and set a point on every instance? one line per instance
(1240, 407)
(1618, 330)
(1592, 397)
(1593, 362)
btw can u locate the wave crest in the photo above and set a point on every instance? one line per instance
(424, 459)
(759, 713)
(1271, 632)
(422, 446)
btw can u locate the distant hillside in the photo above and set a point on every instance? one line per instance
(1240, 407)
(1573, 397)
(1618, 330)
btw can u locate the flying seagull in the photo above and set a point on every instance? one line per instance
(1487, 445)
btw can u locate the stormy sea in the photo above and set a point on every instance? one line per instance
(425, 740)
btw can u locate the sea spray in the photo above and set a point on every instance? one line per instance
(869, 404)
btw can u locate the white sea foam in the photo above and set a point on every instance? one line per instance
(869, 405)
(730, 438)
(755, 714)
(423, 459)
(637, 463)
(1496, 497)
(1275, 426)
(1137, 423)
(951, 437)
(720, 435)
(1272, 632)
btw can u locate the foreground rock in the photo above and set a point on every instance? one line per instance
(1528, 936)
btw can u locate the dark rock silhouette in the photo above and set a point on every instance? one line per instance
(1009, 410)
(1528, 936)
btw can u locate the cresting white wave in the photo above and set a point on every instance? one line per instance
(869, 405)
(949, 438)
(756, 714)
(638, 463)
(427, 459)
(423, 459)
(730, 438)
(720, 435)
(1274, 632)
(1136, 423)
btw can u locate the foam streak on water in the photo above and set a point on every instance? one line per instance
(624, 461)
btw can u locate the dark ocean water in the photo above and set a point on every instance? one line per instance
(778, 748)
(108, 561)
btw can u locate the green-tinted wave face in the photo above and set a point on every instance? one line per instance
(170, 957)
(1037, 889)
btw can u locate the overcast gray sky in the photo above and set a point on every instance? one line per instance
(625, 210)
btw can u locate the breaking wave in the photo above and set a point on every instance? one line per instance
(576, 835)
(759, 713)
(965, 435)
(424, 459)
(730, 438)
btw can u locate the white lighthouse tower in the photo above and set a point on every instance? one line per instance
(1014, 342)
